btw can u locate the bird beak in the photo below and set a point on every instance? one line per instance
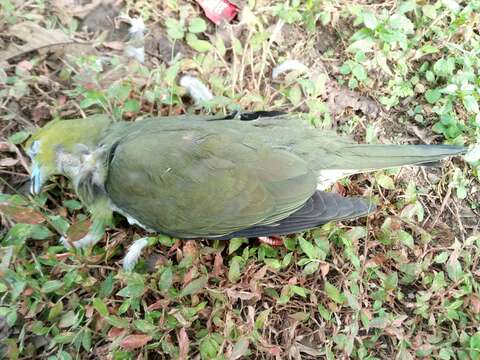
(36, 179)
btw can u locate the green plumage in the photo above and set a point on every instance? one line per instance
(208, 176)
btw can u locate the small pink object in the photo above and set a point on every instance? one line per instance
(218, 10)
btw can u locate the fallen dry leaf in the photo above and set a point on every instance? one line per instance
(324, 269)
(475, 304)
(183, 344)
(341, 98)
(114, 45)
(21, 214)
(218, 267)
(78, 230)
(115, 333)
(35, 38)
(5, 146)
(239, 349)
(135, 341)
(80, 8)
(7, 162)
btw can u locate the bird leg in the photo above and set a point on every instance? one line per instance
(274, 241)
(94, 235)
(101, 218)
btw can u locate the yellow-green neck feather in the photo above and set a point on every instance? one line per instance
(65, 135)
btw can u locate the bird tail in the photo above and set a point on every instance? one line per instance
(373, 157)
(320, 209)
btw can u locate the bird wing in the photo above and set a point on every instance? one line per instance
(201, 180)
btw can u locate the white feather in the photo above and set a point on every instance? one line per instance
(196, 89)
(137, 26)
(328, 177)
(133, 253)
(288, 65)
(136, 53)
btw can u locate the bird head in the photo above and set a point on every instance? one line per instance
(53, 147)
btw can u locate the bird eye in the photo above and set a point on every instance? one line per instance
(34, 148)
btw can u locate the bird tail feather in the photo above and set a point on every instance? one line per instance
(372, 157)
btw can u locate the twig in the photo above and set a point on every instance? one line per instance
(442, 207)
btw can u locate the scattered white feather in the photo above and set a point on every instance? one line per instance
(135, 53)
(137, 26)
(328, 177)
(196, 89)
(288, 65)
(133, 254)
(473, 155)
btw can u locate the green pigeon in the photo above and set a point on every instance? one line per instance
(215, 177)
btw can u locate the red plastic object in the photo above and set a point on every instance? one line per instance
(218, 10)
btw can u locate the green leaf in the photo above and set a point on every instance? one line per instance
(287, 259)
(333, 293)
(72, 204)
(64, 338)
(197, 25)
(51, 286)
(370, 20)
(441, 258)
(87, 340)
(454, 268)
(106, 287)
(452, 5)
(324, 313)
(240, 349)
(145, 326)
(385, 181)
(444, 67)
(273, 263)
(475, 346)
(471, 104)
(119, 91)
(295, 95)
(67, 320)
(299, 290)
(194, 286)
(391, 281)
(432, 95)
(166, 279)
(406, 238)
(234, 244)
(429, 11)
(209, 347)
(234, 269)
(174, 28)
(100, 306)
(117, 321)
(199, 45)
(21, 232)
(359, 72)
(18, 137)
(133, 290)
(311, 267)
(131, 105)
(308, 248)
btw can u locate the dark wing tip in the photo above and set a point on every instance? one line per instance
(320, 209)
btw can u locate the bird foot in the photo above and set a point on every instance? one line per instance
(87, 240)
(273, 240)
